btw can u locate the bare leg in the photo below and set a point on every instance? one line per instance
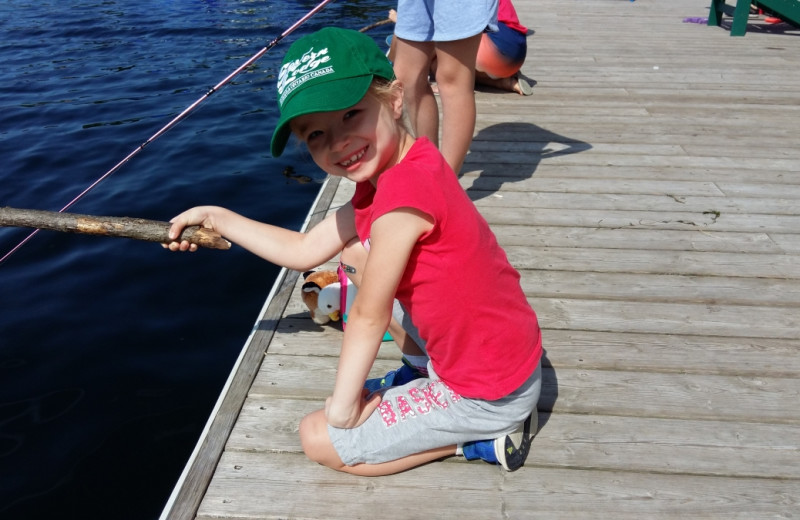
(455, 76)
(317, 446)
(411, 66)
(393, 45)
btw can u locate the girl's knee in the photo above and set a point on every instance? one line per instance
(315, 440)
(310, 435)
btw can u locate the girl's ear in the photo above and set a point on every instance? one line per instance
(397, 99)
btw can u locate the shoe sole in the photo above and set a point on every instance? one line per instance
(514, 451)
(525, 87)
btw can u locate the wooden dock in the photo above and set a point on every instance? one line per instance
(649, 194)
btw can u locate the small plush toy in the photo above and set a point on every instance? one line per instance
(325, 293)
(322, 294)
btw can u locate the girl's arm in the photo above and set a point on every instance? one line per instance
(392, 239)
(284, 247)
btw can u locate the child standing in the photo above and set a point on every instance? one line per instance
(449, 32)
(410, 232)
(501, 53)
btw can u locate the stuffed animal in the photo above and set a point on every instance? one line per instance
(322, 294)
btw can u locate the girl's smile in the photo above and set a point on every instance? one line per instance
(353, 158)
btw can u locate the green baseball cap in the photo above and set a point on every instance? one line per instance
(328, 70)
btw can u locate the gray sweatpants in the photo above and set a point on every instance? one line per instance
(426, 414)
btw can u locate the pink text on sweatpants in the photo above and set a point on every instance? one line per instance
(433, 396)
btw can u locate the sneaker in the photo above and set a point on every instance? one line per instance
(509, 451)
(512, 449)
(398, 377)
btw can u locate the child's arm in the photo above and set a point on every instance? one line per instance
(284, 247)
(392, 239)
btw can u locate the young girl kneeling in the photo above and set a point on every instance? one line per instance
(409, 233)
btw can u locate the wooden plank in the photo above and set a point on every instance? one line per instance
(671, 353)
(692, 239)
(709, 290)
(301, 490)
(682, 396)
(654, 197)
(586, 158)
(300, 337)
(543, 189)
(602, 171)
(630, 146)
(668, 318)
(788, 242)
(697, 263)
(663, 133)
(576, 217)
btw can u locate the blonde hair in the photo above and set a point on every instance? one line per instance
(383, 90)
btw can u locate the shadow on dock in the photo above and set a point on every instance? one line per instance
(497, 149)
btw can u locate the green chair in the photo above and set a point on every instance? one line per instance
(787, 10)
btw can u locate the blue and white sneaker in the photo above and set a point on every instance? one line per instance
(509, 451)
(397, 377)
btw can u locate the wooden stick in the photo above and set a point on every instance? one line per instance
(374, 25)
(125, 227)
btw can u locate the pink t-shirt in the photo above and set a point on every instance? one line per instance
(461, 292)
(508, 15)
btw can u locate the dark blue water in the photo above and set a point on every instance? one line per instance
(112, 351)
